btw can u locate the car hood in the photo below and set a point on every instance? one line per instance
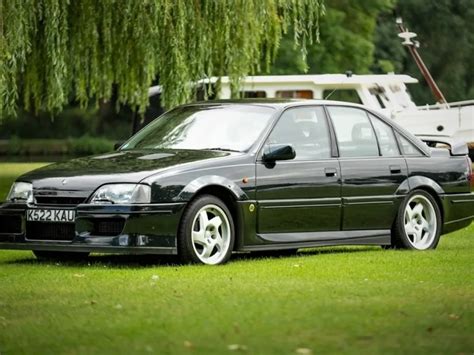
(87, 174)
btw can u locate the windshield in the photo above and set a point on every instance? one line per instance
(231, 127)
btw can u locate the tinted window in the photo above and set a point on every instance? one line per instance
(386, 137)
(346, 95)
(253, 94)
(232, 127)
(408, 148)
(354, 133)
(306, 129)
(295, 94)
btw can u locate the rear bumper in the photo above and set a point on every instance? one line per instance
(458, 211)
(134, 229)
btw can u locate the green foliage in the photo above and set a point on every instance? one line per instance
(85, 145)
(52, 48)
(347, 35)
(72, 122)
(445, 30)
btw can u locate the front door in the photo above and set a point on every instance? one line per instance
(372, 169)
(300, 195)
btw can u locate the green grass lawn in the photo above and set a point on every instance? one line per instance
(327, 300)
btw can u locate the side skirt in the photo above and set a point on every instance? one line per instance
(279, 241)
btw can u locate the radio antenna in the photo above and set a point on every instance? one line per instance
(348, 75)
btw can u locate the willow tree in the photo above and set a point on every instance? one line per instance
(55, 50)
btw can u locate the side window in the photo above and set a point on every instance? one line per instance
(354, 133)
(408, 147)
(306, 129)
(386, 137)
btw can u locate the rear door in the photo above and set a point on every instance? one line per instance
(304, 194)
(372, 168)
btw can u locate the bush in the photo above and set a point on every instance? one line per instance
(84, 145)
(87, 145)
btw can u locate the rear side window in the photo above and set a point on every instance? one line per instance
(387, 142)
(408, 148)
(354, 133)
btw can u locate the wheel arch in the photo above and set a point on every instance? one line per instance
(211, 182)
(430, 186)
(225, 190)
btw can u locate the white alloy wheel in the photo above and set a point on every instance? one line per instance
(211, 234)
(420, 222)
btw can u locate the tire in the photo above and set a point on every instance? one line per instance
(59, 255)
(206, 234)
(418, 223)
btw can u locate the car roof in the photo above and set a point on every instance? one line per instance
(275, 103)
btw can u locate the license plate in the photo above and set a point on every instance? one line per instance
(40, 215)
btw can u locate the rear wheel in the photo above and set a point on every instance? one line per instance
(59, 255)
(418, 223)
(206, 233)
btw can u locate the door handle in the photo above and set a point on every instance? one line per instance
(395, 169)
(330, 172)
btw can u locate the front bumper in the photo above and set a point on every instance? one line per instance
(134, 229)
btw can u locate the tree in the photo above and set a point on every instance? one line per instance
(50, 49)
(347, 36)
(445, 30)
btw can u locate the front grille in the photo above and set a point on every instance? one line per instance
(10, 224)
(50, 231)
(60, 201)
(108, 226)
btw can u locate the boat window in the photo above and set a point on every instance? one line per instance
(354, 133)
(294, 94)
(379, 93)
(408, 147)
(253, 94)
(386, 138)
(346, 95)
(306, 129)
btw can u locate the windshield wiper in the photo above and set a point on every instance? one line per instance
(224, 149)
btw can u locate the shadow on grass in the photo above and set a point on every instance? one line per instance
(144, 261)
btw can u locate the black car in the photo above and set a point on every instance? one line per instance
(206, 179)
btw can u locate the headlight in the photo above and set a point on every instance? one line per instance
(21, 192)
(122, 194)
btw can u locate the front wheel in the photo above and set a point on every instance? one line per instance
(206, 232)
(418, 223)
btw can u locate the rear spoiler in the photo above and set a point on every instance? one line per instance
(456, 147)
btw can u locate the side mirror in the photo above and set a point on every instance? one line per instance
(276, 152)
(118, 145)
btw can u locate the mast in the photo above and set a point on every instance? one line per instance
(412, 47)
